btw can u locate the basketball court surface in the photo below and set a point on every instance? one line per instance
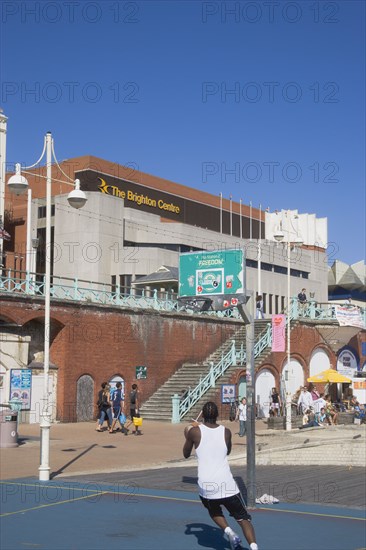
(93, 516)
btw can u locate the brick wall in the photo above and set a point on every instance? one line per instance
(103, 342)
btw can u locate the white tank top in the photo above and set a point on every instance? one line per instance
(215, 479)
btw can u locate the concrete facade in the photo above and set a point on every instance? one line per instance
(133, 223)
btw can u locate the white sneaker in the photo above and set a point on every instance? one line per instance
(253, 546)
(235, 541)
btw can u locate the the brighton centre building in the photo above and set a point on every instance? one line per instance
(129, 237)
(134, 223)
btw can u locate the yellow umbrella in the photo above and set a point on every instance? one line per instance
(329, 376)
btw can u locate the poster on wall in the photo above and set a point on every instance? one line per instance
(20, 386)
(227, 393)
(347, 362)
(141, 373)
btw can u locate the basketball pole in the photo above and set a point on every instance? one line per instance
(247, 314)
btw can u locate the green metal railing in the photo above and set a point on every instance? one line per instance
(79, 290)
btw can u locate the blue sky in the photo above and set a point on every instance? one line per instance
(261, 100)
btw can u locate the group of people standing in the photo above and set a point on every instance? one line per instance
(112, 408)
(317, 409)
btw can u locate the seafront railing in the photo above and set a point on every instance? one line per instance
(91, 292)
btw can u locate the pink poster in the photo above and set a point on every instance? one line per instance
(279, 332)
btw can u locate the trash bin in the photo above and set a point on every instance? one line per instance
(8, 428)
(16, 405)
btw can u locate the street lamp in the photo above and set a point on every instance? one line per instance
(18, 184)
(279, 237)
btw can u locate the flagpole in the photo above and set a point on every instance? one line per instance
(241, 222)
(231, 215)
(250, 221)
(260, 252)
(221, 213)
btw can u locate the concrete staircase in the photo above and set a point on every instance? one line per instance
(159, 405)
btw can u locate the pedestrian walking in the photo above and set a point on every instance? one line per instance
(105, 408)
(217, 487)
(118, 408)
(135, 407)
(259, 307)
(241, 415)
(275, 402)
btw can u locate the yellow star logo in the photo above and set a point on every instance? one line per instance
(104, 186)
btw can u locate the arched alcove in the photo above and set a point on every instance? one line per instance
(85, 398)
(319, 361)
(263, 386)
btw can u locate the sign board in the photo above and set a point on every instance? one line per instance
(227, 393)
(217, 277)
(20, 386)
(349, 316)
(141, 373)
(347, 362)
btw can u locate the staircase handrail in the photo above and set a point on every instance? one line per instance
(263, 341)
(216, 371)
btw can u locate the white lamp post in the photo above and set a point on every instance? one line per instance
(18, 184)
(279, 236)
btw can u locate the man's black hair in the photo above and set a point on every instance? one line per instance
(210, 412)
(134, 386)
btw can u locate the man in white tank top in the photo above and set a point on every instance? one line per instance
(217, 486)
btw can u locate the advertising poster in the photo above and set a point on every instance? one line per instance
(20, 386)
(214, 278)
(227, 393)
(210, 273)
(141, 373)
(278, 332)
(347, 362)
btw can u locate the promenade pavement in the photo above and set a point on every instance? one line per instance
(77, 449)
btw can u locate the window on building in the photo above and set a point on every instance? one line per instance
(264, 302)
(280, 269)
(282, 303)
(114, 283)
(42, 211)
(266, 267)
(125, 284)
(277, 303)
(295, 273)
(270, 299)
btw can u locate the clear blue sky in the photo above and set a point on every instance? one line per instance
(147, 83)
